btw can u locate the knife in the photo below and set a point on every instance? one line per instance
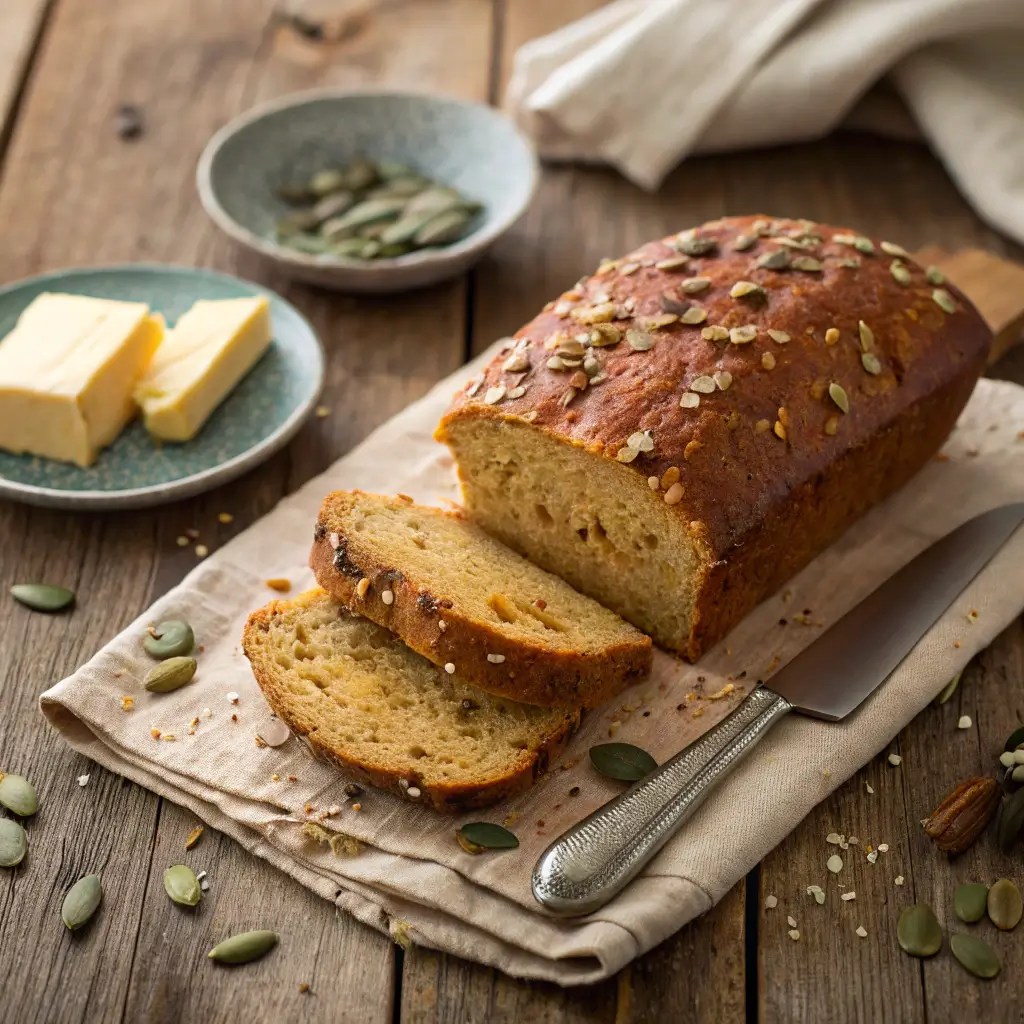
(592, 862)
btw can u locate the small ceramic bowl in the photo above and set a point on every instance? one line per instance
(466, 145)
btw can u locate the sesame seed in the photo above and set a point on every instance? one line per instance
(670, 476)
(495, 659)
(780, 430)
(449, 668)
(831, 336)
(689, 400)
(674, 494)
(771, 902)
(895, 760)
(899, 880)
(322, 411)
(861, 931)
(442, 625)
(761, 426)
(965, 722)
(362, 587)
(791, 921)
(768, 360)
(793, 934)
(847, 896)
(387, 596)
(654, 483)
(413, 793)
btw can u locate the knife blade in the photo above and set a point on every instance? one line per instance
(594, 860)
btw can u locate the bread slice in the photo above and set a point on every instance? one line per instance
(468, 603)
(363, 700)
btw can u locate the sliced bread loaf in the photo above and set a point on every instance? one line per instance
(471, 605)
(365, 701)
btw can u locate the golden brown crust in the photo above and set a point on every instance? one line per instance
(763, 504)
(530, 673)
(450, 798)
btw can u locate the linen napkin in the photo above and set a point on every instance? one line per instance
(642, 84)
(411, 878)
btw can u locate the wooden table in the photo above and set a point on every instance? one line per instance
(72, 192)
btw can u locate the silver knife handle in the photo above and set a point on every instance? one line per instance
(594, 860)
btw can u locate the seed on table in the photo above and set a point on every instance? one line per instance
(970, 900)
(1004, 905)
(918, 931)
(181, 884)
(42, 597)
(81, 902)
(18, 795)
(976, 956)
(241, 949)
(13, 843)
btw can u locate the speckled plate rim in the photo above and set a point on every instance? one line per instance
(194, 483)
(487, 233)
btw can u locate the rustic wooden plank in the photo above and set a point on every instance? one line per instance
(21, 21)
(73, 193)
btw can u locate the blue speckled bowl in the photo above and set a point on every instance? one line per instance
(254, 421)
(467, 145)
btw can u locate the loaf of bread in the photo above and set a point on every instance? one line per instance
(682, 431)
(363, 700)
(467, 602)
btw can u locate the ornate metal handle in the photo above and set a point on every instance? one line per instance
(584, 868)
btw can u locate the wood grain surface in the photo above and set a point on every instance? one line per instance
(72, 192)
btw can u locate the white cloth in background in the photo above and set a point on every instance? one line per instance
(642, 84)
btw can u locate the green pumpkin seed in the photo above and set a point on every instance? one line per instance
(170, 675)
(970, 901)
(391, 169)
(370, 211)
(478, 836)
(404, 229)
(1011, 819)
(81, 902)
(13, 843)
(977, 956)
(434, 200)
(371, 250)
(240, 949)
(444, 227)
(388, 252)
(18, 795)
(622, 761)
(838, 395)
(181, 884)
(944, 300)
(360, 173)
(169, 639)
(42, 597)
(325, 182)
(400, 188)
(312, 245)
(336, 230)
(349, 247)
(918, 931)
(330, 206)
(297, 222)
(1004, 905)
(1016, 738)
(948, 690)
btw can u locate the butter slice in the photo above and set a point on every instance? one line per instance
(207, 353)
(67, 371)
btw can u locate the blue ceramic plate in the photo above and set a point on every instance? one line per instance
(261, 415)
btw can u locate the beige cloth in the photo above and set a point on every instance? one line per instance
(481, 908)
(642, 84)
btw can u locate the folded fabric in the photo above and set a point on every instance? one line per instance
(642, 84)
(411, 875)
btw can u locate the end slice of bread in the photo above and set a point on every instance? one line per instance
(362, 699)
(472, 605)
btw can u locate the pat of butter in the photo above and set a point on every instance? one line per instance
(206, 354)
(67, 371)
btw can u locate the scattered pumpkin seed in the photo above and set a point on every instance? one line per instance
(743, 242)
(870, 363)
(194, 837)
(1004, 905)
(864, 245)
(867, 336)
(694, 315)
(181, 884)
(324, 182)
(742, 335)
(443, 228)
(18, 795)
(715, 333)
(691, 244)
(42, 597)
(622, 761)
(693, 285)
(779, 337)
(13, 843)
(970, 901)
(639, 341)
(948, 690)
(838, 395)
(935, 276)
(807, 264)
(944, 300)
(899, 271)
(918, 931)
(170, 675)
(243, 948)
(477, 836)
(776, 259)
(892, 249)
(169, 639)
(81, 902)
(978, 957)
(672, 263)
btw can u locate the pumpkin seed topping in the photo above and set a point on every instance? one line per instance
(743, 242)
(976, 956)
(742, 335)
(892, 249)
(689, 400)
(495, 394)
(704, 384)
(747, 289)
(691, 244)
(639, 341)
(944, 300)
(628, 268)
(653, 323)
(640, 441)
(477, 836)
(779, 337)
(723, 378)
(715, 333)
(870, 362)
(851, 263)
(838, 395)
(867, 336)
(935, 276)
(864, 245)
(776, 259)
(970, 901)
(899, 271)
(694, 315)
(845, 239)
(670, 304)
(807, 264)
(672, 263)
(693, 285)
(42, 597)
(622, 761)
(918, 931)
